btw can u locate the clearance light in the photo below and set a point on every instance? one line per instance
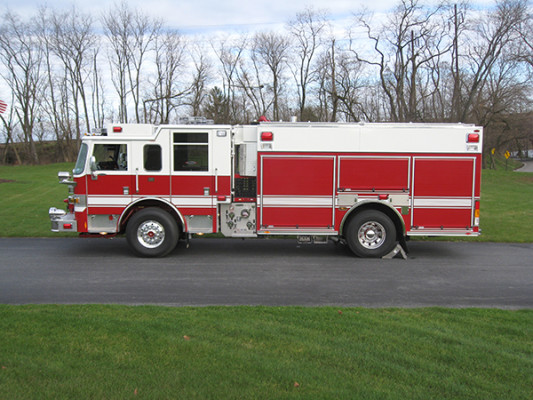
(383, 196)
(117, 129)
(221, 198)
(267, 136)
(473, 138)
(67, 226)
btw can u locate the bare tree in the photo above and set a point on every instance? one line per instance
(117, 26)
(326, 75)
(98, 91)
(200, 79)
(525, 32)
(230, 56)
(167, 89)
(130, 34)
(56, 100)
(350, 88)
(217, 107)
(404, 46)
(307, 29)
(21, 55)
(271, 49)
(252, 80)
(458, 28)
(73, 42)
(505, 93)
(422, 62)
(145, 31)
(489, 35)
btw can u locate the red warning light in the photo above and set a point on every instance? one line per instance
(473, 138)
(267, 136)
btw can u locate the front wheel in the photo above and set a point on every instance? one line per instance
(152, 232)
(371, 233)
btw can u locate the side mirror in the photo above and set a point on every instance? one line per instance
(64, 177)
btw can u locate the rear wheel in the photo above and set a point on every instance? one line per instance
(371, 233)
(152, 232)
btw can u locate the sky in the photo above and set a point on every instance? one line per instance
(208, 16)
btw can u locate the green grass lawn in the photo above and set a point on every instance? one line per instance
(118, 352)
(506, 206)
(27, 192)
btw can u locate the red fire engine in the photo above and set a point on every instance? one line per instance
(369, 185)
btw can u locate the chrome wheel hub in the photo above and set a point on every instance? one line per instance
(150, 234)
(371, 235)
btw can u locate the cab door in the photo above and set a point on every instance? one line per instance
(152, 171)
(109, 186)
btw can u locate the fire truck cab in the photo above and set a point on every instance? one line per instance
(368, 185)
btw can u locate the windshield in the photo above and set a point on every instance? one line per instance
(82, 156)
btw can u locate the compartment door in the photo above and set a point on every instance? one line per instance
(443, 193)
(296, 193)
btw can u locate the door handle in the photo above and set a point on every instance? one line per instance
(216, 180)
(136, 180)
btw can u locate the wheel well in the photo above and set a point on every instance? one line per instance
(395, 217)
(130, 211)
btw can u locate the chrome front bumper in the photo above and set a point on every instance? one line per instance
(62, 221)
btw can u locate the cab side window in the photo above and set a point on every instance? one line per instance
(152, 157)
(191, 151)
(111, 157)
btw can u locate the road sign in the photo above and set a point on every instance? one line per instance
(507, 154)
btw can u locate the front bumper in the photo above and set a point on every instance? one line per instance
(62, 221)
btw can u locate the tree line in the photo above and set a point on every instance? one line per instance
(68, 73)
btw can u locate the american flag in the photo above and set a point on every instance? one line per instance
(3, 107)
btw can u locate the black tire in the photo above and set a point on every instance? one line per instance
(152, 232)
(371, 233)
